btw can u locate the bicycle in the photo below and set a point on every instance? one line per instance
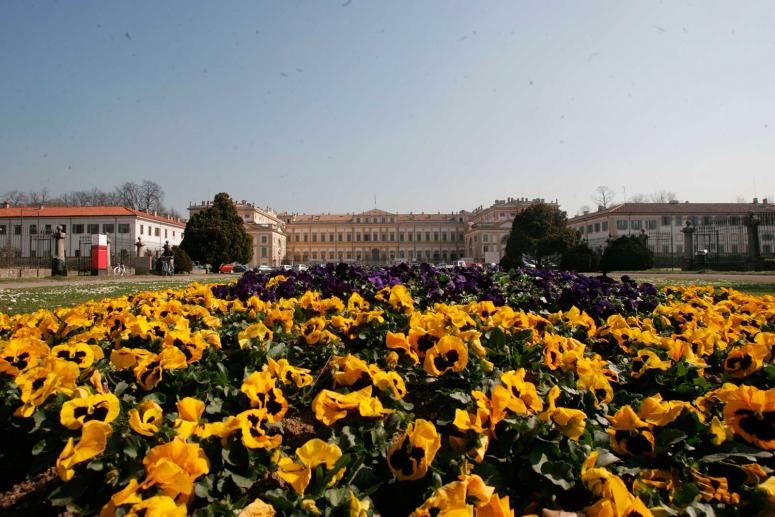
(120, 270)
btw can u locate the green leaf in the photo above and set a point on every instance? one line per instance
(241, 481)
(39, 447)
(685, 494)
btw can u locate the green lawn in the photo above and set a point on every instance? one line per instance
(18, 300)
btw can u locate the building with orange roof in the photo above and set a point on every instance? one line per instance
(378, 237)
(27, 232)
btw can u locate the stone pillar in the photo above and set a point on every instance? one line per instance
(688, 232)
(754, 250)
(140, 247)
(110, 262)
(58, 263)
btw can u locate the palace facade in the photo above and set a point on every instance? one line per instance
(378, 237)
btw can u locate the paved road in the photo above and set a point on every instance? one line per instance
(747, 278)
(98, 280)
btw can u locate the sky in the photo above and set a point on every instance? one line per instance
(325, 107)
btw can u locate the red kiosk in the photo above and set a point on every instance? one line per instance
(99, 254)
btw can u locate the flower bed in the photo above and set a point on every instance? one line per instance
(346, 391)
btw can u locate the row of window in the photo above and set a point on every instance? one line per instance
(359, 255)
(666, 220)
(89, 229)
(76, 229)
(378, 237)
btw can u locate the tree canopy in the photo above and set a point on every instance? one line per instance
(627, 253)
(538, 233)
(216, 235)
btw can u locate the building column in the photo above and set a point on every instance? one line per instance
(754, 250)
(688, 232)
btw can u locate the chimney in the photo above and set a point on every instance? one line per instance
(586, 212)
(6, 204)
(764, 201)
(600, 208)
(756, 201)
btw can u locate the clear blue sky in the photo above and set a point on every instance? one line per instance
(432, 105)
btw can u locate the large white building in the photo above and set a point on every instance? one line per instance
(27, 232)
(378, 236)
(719, 228)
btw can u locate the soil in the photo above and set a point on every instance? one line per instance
(27, 497)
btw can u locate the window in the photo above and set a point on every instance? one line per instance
(124, 228)
(486, 248)
(349, 237)
(340, 236)
(375, 237)
(157, 231)
(589, 228)
(264, 239)
(427, 236)
(141, 229)
(95, 228)
(444, 236)
(165, 232)
(330, 255)
(635, 224)
(410, 236)
(305, 237)
(366, 237)
(17, 229)
(419, 237)
(315, 255)
(707, 219)
(392, 236)
(263, 252)
(314, 237)
(47, 229)
(605, 226)
(436, 236)
(734, 220)
(110, 228)
(597, 227)
(296, 237)
(331, 237)
(651, 224)
(666, 220)
(401, 236)
(2, 229)
(358, 236)
(33, 229)
(78, 229)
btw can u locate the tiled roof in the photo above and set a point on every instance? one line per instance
(85, 211)
(657, 209)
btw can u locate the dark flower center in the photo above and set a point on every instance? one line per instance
(445, 361)
(760, 427)
(406, 461)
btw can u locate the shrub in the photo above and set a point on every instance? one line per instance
(183, 263)
(580, 258)
(627, 253)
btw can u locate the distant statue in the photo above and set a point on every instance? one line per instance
(58, 263)
(139, 245)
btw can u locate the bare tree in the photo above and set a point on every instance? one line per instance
(151, 196)
(15, 197)
(603, 196)
(129, 195)
(38, 197)
(663, 196)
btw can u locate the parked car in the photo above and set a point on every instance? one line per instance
(285, 267)
(262, 269)
(239, 268)
(226, 268)
(300, 267)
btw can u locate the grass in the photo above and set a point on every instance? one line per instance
(20, 300)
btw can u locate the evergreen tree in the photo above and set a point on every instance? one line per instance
(216, 235)
(539, 236)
